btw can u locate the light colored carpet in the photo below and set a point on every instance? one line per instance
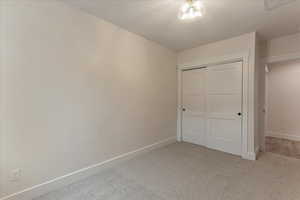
(184, 171)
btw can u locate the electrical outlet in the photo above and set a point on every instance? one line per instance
(15, 175)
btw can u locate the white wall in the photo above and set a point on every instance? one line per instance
(260, 93)
(283, 100)
(77, 90)
(283, 45)
(242, 44)
(1, 104)
(1, 107)
(230, 46)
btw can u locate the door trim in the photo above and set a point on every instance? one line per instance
(247, 93)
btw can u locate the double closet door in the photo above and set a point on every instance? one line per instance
(212, 107)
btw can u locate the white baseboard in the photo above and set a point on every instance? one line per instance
(251, 155)
(257, 150)
(43, 188)
(283, 135)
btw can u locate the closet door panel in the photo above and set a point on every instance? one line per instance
(193, 115)
(224, 104)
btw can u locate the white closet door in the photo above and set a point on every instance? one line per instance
(193, 115)
(224, 104)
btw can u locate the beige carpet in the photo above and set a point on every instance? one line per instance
(189, 172)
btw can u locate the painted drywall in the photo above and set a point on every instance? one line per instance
(77, 91)
(230, 46)
(1, 108)
(285, 45)
(260, 94)
(283, 100)
(242, 44)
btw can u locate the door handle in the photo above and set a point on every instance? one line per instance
(239, 114)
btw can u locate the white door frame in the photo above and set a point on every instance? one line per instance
(247, 81)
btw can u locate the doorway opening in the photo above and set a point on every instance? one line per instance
(282, 134)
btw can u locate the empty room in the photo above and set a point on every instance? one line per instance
(149, 99)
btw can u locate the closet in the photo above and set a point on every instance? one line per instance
(212, 107)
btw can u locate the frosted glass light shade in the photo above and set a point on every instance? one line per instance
(191, 9)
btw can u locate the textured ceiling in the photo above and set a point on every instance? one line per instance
(157, 19)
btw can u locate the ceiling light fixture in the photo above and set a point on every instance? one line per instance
(191, 9)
